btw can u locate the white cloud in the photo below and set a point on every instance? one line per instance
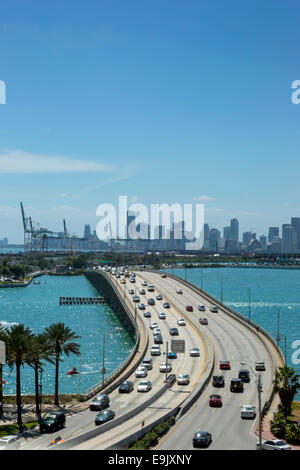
(18, 161)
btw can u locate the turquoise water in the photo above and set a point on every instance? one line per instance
(270, 289)
(37, 306)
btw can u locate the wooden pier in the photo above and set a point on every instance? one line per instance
(81, 300)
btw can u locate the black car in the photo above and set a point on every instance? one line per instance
(126, 387)
(158, 339)
(147, 314)
(166, 305)
(151, 302)
(174, 332)
(244, 375)
(53, 422)
(236, 385)
(218, 381)
(202, 439)
(104, 416)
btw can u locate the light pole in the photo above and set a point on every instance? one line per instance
(278, 337)
(249, 304)
(103, 359)
(201, 277)
(259, 390)
(222, 289)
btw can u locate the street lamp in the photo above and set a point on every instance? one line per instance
(278, 337)
(259, 390)
(222, 288)
(249, 307)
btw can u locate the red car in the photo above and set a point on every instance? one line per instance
(189, 308)
(224, 365)
(215, 400)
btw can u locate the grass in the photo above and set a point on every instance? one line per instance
(8, 429)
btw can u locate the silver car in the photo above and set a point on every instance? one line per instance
(194, 352)
(144, 386)
(9, 443)
(274, 444)
(165, 367)
(141, 372)
(183, 379)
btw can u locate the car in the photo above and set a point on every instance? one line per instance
(214, 309)
(202, 439)
(132, 274)
(104, 416)
(203, 321)
(53, 422)
(244, 375)
(131, 291)
(194, 352)
(159, 297)
(10, 442)
(236, 385)
(142, 306)
(144, 386)
(136, 298)
(218, 381)
(165, 367)
(273, 444)
(156, 331)
(181, 322)
(172, 355)
(166, 305)
(215, 400)
(144, 283)
(162, 316)
(99, 402)
(260, 365)
(147, 314)
(174, 332)
(183, 379)
(142, 291)
(151, 301)
(247, 411)
(151, 288)
(148, 363)
(225, 365)
(155, 350)
(189, 308)
(123, 281)
(153, 325)
(141, 372)
(201, 308)
(126, 387)
(158, 339)
(179, 291)
(132, 280)
(163, 275)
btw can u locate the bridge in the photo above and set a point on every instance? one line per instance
(227, 336)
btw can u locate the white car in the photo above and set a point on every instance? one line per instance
(165, 367)
(260, 365)
(153, 325)
(9, 443)
(179, 291)
(214, 308)
(144, 283)
(181, 322)
(141, 372)
(183, 379)
(155, 350)
(248, 411)
(203, 321)
(144, 386)
(194, 352)
(162, 316)
(156, 331)
(273, 444)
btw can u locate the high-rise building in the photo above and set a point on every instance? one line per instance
(263, 240)
(87, 232)
(295, 222)
(227, 232)
(214, 237)
(234, 229)
(247, 237)
(289, 239)
(273, 232)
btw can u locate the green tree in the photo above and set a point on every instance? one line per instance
(3, 337)
(61, 339)
(18, 344)
(286, 385)
(41, 349)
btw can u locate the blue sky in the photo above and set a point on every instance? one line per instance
(162, 101)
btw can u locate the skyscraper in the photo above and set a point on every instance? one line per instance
(227, 232)
(87, 232)
(273, 232)
(295, 222)
(234, 229)
(289, 239)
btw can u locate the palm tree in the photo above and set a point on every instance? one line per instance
(286, 385)
(60, 338)
(3, 333)
(41, 349)
(18, 347)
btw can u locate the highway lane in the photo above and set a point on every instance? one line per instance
(232, 342)
(122, 403)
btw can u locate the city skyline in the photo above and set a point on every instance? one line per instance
(184, 106)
